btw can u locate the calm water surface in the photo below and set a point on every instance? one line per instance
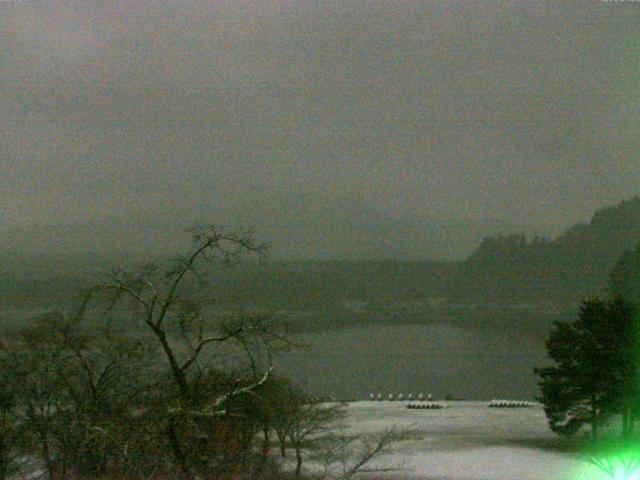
(438, 359)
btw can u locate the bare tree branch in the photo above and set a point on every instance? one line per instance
(205, 342)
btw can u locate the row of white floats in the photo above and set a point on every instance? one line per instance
(510, 404)
(492, 404)
(422, 402)
(426, 405)
(400, 397)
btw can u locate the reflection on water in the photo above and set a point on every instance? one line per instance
(437, 359)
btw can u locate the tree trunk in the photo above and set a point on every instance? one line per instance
(266, 444)
(178, 454)
(281, 440)
(298, 463)
(47, 455)
(178, 375)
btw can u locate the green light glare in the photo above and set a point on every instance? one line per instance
(610, 459)
(591, 472)
(586, 471)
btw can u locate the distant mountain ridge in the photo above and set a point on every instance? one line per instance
(496, 264)
(566, 269)
(300, 226)
(507, 269)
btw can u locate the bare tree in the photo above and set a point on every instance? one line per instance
(341, 456)
(75, 387)
(172, 305)
(317, 433)
(309, 425)
(185, 396)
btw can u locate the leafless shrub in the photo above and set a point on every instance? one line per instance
(341, 456)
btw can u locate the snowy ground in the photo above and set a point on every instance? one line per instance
(469, 441)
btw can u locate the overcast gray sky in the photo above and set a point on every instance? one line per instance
(526, 112)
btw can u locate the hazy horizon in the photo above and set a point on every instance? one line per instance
(298, 235)
(412, 117)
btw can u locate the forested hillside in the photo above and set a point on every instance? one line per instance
(566, 269)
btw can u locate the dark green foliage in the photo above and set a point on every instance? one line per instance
(597, 364)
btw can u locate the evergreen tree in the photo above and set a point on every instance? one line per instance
(596, 367)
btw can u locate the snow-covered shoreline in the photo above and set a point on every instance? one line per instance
(469, 441)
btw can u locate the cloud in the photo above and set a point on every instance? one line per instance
(458, 109)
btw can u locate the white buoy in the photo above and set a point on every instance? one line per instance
(391, 397)
(429, 397)
(421, 396)
(400, 396)
(410, 397)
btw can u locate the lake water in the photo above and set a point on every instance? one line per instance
(440, 359)
(437, 359)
